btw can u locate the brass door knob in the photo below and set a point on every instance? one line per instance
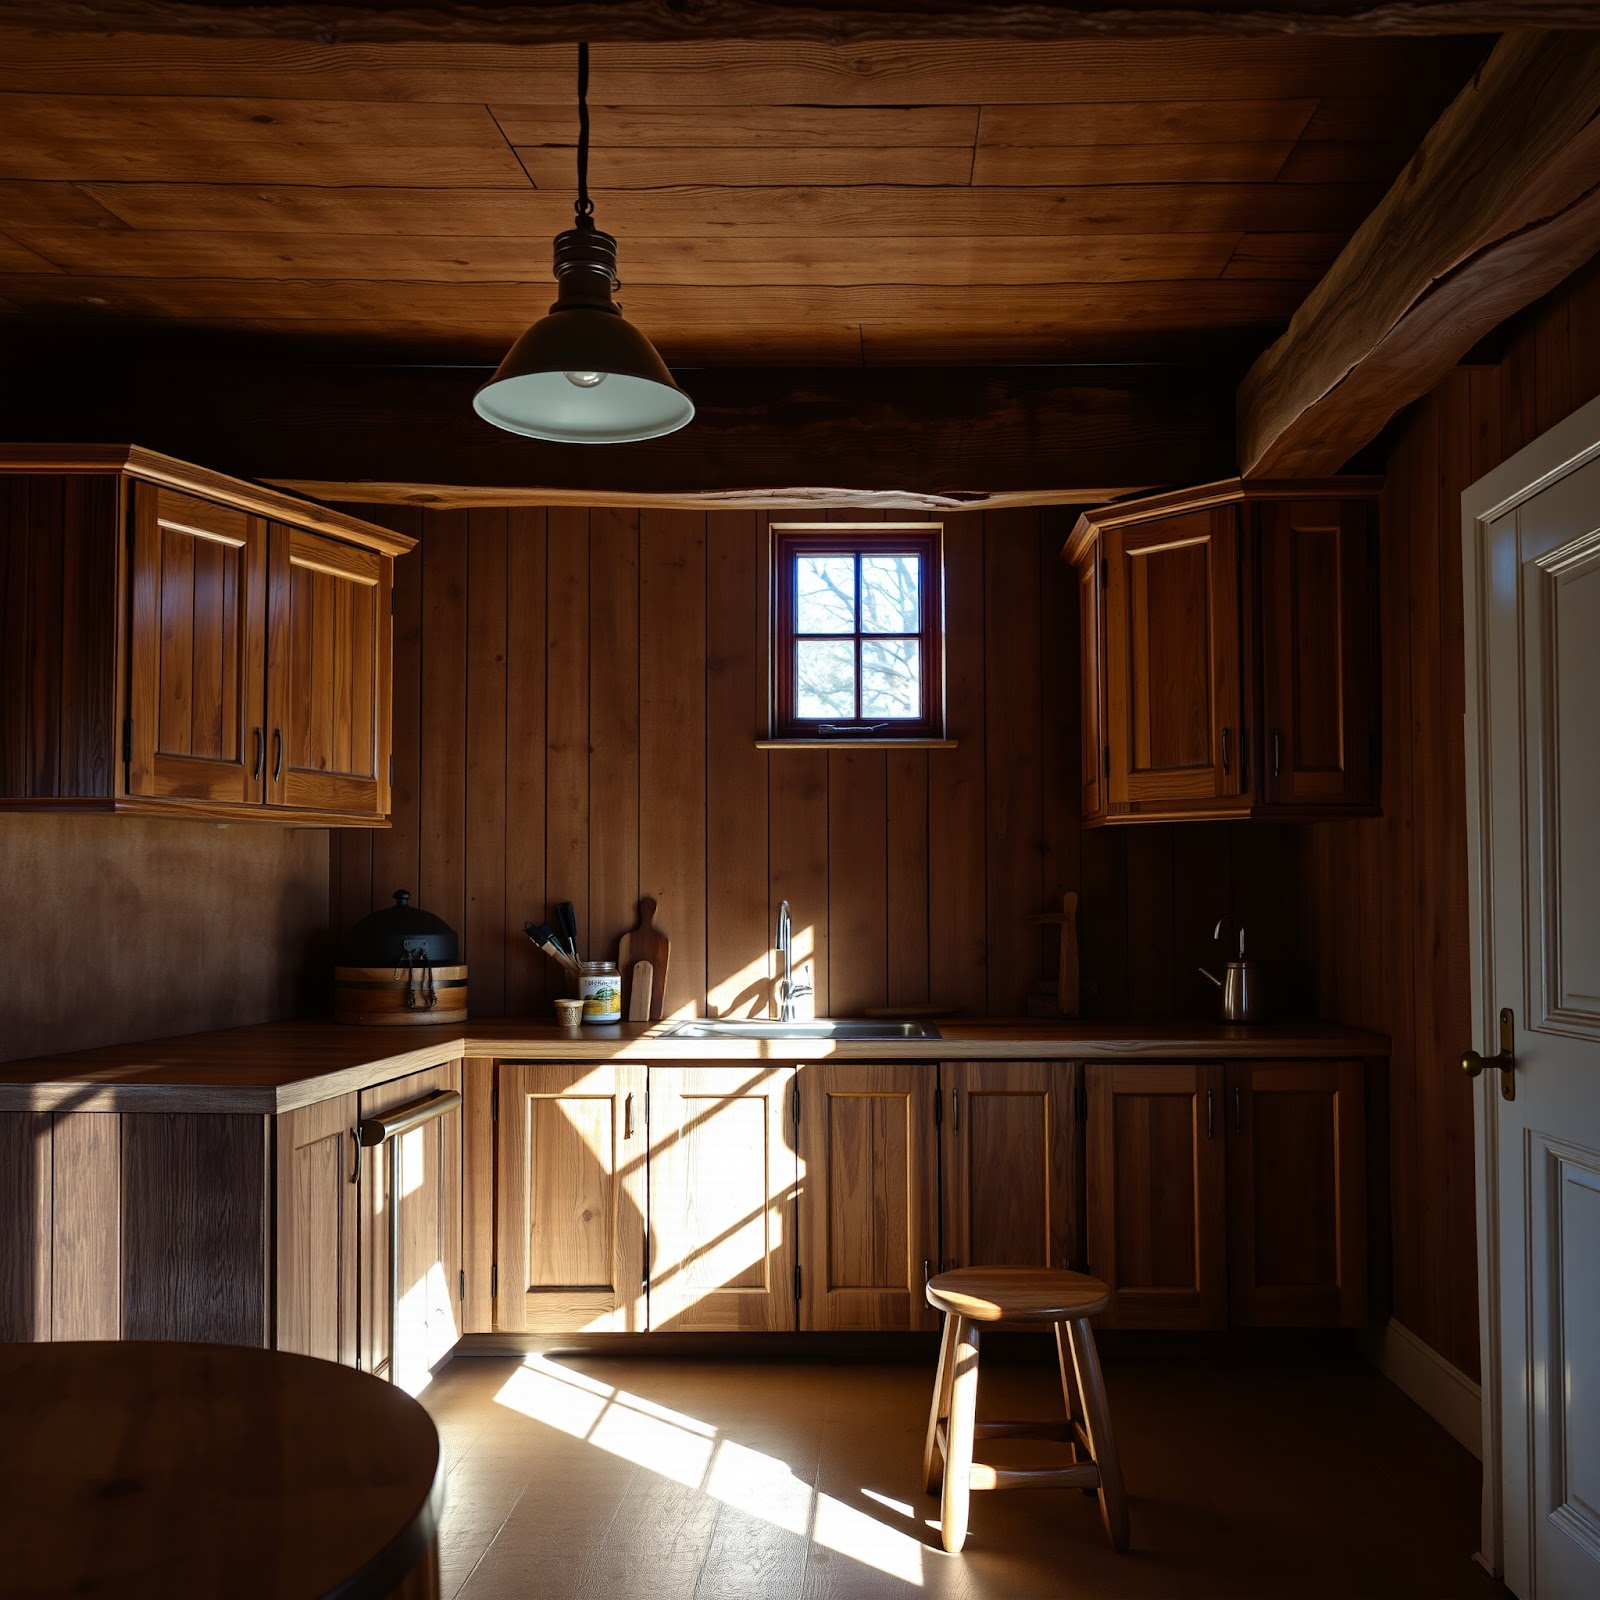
(1472, 1063)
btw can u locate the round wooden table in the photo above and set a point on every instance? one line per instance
(182, 1470)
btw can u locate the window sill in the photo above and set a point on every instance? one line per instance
(855, 744)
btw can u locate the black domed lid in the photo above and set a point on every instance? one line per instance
(398, 933)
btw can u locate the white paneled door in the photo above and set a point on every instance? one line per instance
(1533, 692)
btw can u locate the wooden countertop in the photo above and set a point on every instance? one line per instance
(282, 1065)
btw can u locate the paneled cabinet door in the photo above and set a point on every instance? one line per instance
(868, 1187)
(426, 1197)
(316, 1209)
(1318, 660)
(1297, 1222)
(1174, 684)
(1011, 1165)
(722, 1198)
(570, 1244)
(328, 669)
(195, 635)
(1156, 1208)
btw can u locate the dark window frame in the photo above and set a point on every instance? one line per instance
(922, 540)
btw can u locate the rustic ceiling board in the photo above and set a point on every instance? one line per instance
(1147, 122)
(933, 432)
(1062, 165)
(724, 260)
(614, 127)
(1305, 256)
(859, 22)
(690, 212)
(735, 72)
(1339, 161)
(889, 344)
(751, 166)
(1499, 204)
(1363, 117)
(17, 257)
(53, 205)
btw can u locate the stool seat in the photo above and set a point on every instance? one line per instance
(1017, 1294)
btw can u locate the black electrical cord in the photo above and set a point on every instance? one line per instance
(584, 209)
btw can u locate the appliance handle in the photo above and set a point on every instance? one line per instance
(379, 1130)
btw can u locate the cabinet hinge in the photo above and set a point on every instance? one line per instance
(127, 738)
(461, 1284)
(794, 1103)
(797, 1285)
(494, 1281)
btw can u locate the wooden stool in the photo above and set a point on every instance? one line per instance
(1030, 1296)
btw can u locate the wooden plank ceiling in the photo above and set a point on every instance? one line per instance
(776, 203)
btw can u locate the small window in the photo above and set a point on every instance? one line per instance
(858, 648)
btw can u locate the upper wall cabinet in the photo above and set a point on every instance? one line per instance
(178, 642)
(1229, 659)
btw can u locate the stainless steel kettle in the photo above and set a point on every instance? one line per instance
(1243, 991)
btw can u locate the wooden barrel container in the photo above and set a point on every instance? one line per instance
(378, 996)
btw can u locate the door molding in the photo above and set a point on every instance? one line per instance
(1572, 443)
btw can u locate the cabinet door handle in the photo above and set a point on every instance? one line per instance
(627, 1118)
(1238, 1109)
(1225, 732)
(955, 1109)
(261, 753)
(277, 754)
(927, 1271)
(1211, 1115)
(1277, 751)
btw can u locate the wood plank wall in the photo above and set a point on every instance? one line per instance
(577, 698)
(1385, 901)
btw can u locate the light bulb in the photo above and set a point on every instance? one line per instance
(584, 380)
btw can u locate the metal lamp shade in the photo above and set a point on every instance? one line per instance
(635, 397)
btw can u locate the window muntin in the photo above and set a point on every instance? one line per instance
(857, 635)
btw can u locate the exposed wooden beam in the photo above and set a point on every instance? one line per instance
(911, 436)
(826, 21)
(1500, 203)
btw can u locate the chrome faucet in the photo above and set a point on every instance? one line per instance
(783, 942)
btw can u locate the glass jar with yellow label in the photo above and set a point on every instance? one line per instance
(600, 985)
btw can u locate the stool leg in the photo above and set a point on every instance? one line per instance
(963, 1417)
(1097, 1424)
(931, 1464)
(1069, 1389)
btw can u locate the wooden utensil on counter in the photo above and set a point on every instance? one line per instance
(641, 991)
(646, 943)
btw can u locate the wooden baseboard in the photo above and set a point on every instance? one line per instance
(1445, 1392)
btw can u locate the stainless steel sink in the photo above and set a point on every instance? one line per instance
(863, 1030)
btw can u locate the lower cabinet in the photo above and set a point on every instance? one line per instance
(317, 1232)
(1010, 1164)
(1155, 1180)
(570, 1152)
(1297, 1193)
(1235, 1195)
(722, 1169)
(868, 1194)
(410, 1229)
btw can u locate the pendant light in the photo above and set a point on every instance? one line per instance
(584, 374)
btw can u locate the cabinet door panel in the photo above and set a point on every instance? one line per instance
(1156, 1205)
(1011, 1165)
(195, 690)
(25, 1213)
(1094, 761)
(316, 1208)
(868, 1181)
(722, 1196)
(427, 1191)
(1297, 1193)
(1173, 659)
(570, 1254)
(328, 667)
(1317, 653)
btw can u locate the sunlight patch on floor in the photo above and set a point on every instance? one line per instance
(693, 1453)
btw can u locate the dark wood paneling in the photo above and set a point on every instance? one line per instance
(196, 1205)
(627, 700)
(1385, 901)
(25, 1166)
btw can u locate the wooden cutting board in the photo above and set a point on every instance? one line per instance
(647, 943)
